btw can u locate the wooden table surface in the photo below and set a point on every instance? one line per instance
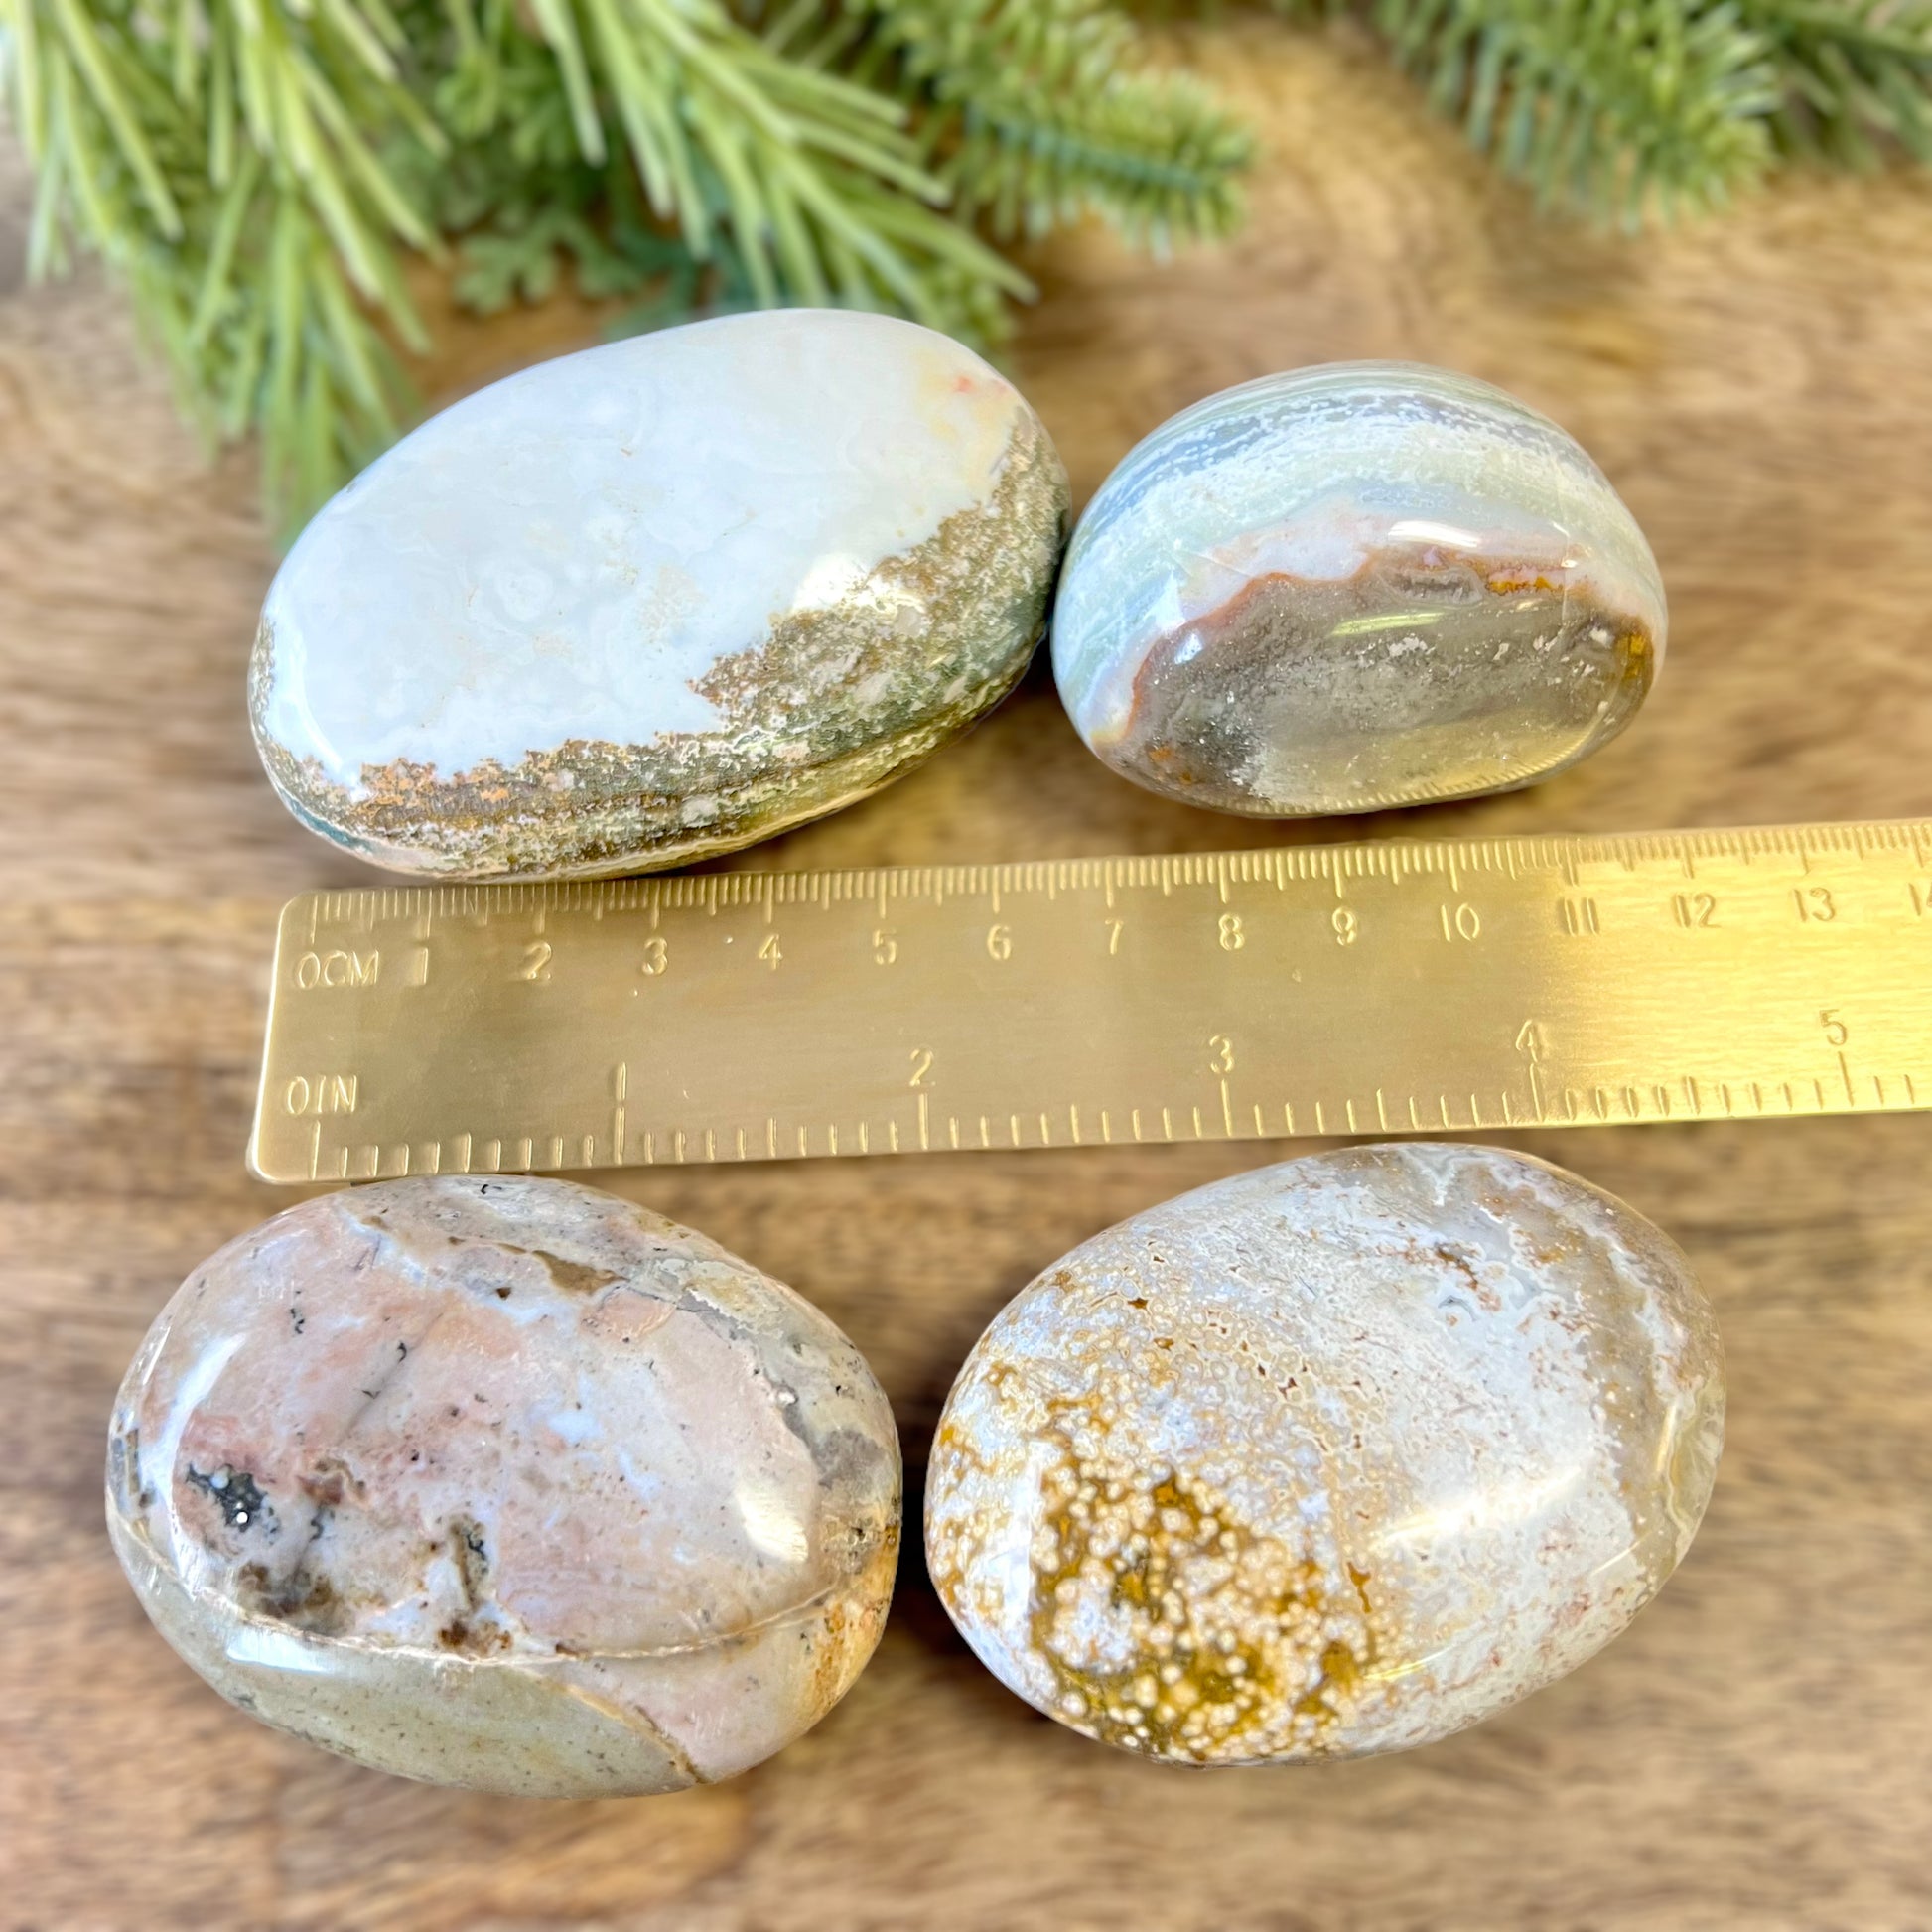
(1756, 1752)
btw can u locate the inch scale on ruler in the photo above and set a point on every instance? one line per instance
(1396, 986)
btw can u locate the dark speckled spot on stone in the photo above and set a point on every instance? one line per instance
(235, 1493)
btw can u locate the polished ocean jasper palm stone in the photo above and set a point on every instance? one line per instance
(1364, 584)
(508, 1483)
(1331, 1458)
(660, 599)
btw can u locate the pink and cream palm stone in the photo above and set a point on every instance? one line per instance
(508, 1483)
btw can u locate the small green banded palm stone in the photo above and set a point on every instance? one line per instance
(1362, 585)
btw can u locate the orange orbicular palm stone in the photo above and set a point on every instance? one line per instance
(1331, 1458)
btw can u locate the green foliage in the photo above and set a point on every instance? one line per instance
(1620, 108)
(1853, 75)
(1035, 117)
(262, 173)
(259, 172)
(221, 163)
(1628, 110)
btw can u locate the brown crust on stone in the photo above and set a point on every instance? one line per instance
(1235, 723)
(827, 708)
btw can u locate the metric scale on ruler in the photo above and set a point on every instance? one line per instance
(1396, 986)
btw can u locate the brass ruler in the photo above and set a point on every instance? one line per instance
(1396, 986)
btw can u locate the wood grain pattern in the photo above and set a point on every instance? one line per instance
(1756, 1752)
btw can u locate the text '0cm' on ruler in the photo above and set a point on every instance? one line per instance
(1395, 987)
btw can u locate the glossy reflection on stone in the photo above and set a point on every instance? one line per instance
(1362, 585)
(1331, 1458)
(660, 599)
(508, 1483)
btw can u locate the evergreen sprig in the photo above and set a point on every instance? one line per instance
(1632, 110)
(262, 174)
(1622, 109)
(1038, 117)
(222, 161)
(1852, 76)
